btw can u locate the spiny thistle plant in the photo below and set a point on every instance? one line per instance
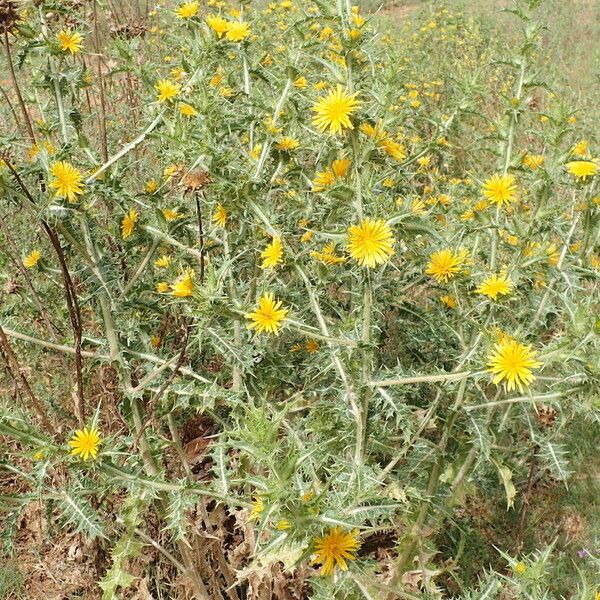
(282, 295)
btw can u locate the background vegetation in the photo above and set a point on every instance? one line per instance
(227, 454)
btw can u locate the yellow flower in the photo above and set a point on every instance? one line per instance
(177, 73)
(32, 259)
(162, 261)
(448, 301)
(155, 341)
(283, 525)
(580, 148)
(218, 24)
(162, 287)
(187, 110)
(495, 285)
(334, 110)
(500, 189)
(552, 254)
(312, 346)
(237, 31)
(85, 443)
(334, 548)
(520, 568)
(582, 169)
(187, 10)
(225, 91)
(322, 180)
(70, 41)
(170, 214)
(258, 506)
(151, 186)
(340, 167)
(272, 255)
(184, 284)
(167, 90)
(393, 149)
(128, 223)
(371, 242)
(300, 82)
(220, 215)
(288, 144)
(417, 207)
(68, 181)
(513, 361)
(445, 264)
(533, 161)
(328, 255)
(268, 315)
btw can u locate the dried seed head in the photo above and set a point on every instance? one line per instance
(128, 30)
(11, 286)
(546, 415)
(196, 180)
(9, 15)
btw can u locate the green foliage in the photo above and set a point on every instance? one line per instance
(373, 409)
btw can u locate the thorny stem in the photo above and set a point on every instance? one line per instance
(366, 370)
(507, 158)
(267, 146)
(237, 328)
(432, 485)
(75, 318)
(561, 259)
(15, 85)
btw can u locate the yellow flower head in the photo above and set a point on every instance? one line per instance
(70, 41)
(167, 90)
(187, 10)
(322, 180)
(151, 186)
(128, 223)
(334, 548)
(500, 189)
(184, 284)
(300, 82)
(448, 300)
(520, 568)
(312, 346)
(162, 287)
(85, 443)
(162, 261)
(218, 24)
(187, 110)
(268, 315)
(534, 161)
(170, 214)
(272, 255)
(495, 285)
(582, 169)
(371, 242)
(237, 31)
(258, 507)
(32, 259)
(68, 181)
(394, 149)
(513, 362)
(328, 256)
(287, 143)
(334, 110)
(445, 264)
(340, 167)
(220, 215)
(580, 148)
